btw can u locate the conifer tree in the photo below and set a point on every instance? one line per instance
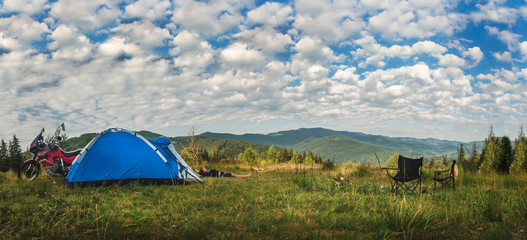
(505, 157)
(296, 158)
(474, 159)
(4, 157)
(461, 159)
(519, 164)
(492, 151)
(15, 154)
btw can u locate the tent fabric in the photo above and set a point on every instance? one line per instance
(118, 154)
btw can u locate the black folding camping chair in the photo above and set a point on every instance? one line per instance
(450, 176)
(408, 176)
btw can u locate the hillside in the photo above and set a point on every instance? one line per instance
(343, 149)
(409, 146)
(229, 148)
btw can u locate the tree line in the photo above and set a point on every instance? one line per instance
(11, 155)
(498, 155)
(271, 155)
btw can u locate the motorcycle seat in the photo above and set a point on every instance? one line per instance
(72, 153)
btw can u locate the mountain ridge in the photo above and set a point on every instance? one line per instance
(404, 145)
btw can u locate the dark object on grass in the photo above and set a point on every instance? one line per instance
(341, 180)
(215, 173)
(408, 176)
(440, 176)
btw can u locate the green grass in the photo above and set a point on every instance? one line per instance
(277, 202)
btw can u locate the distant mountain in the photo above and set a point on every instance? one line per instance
(408, 146)
(342, 149)
(281, 139)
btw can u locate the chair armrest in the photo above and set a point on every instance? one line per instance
(439, 172)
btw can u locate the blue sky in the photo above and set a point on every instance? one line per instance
(441, 69)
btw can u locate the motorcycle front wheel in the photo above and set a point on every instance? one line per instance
(29, 171)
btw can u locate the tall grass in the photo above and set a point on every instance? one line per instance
(405, 218)
(280, 201)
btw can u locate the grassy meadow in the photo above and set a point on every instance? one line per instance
(282, 201)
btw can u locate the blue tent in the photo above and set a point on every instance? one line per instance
(120, 155)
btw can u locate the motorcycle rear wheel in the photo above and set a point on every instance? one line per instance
(29, 171)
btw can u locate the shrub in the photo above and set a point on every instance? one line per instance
(328, 165)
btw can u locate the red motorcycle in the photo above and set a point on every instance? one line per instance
(56, 162)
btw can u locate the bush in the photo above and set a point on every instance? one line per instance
(328, 165)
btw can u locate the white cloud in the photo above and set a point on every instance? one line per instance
(348, 75)
(193, 53)
(149, 9)
(475, 54)
(376, 4)
(331, 21)
(85, 15)
(523, 74)
(375, 53)
(271, 13)
(240, 55)
(64, 35)
(313, 49)
(410, 20)
(509, 38)
(500, 82)
(207, 19)
(523, 49)
(523, 12)
(7, 42)
(495, 13)
(116, 46)
(451, 60)
(69, 44)
(187, 41)
(503, 57)
(25, 6)
(266, 39)
(21, 30)
(145, 34)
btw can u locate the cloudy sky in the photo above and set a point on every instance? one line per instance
(442, 69)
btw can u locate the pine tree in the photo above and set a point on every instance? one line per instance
(491, 153)
(296, 158)
(519, 164)
(505, 157)
(461, 159)
(4, 157)
(15, 154)
(474, 159)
